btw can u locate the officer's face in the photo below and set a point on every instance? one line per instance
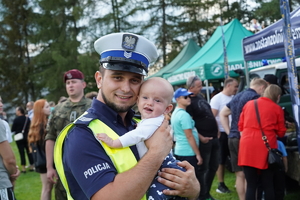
(119, 89)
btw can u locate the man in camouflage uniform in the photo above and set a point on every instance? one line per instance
(63, 114)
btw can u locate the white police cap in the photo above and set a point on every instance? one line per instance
(126, 52)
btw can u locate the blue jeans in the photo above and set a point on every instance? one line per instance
(206, 172)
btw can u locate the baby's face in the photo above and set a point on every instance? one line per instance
(151, 103)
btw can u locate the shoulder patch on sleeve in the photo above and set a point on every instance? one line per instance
(85, 119)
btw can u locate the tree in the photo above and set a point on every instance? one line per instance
(162, 19)
(41, 39)
(269, 11)
(197, 21)
(240, 10)
(16, 66)
(114, 16)
(58, 37)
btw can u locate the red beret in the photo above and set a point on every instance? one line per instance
(73, 74)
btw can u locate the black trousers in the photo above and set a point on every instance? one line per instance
(22, 147)
(279, 185)
(206, 172)
(266, 176)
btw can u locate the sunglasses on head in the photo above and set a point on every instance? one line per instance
(194, 79)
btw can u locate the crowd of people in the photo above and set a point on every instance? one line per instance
(92, 144)
(42, 123)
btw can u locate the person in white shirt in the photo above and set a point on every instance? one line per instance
(7, 130)
(29, 108)
(8, 168)
(217, 103)
(255, 26)
(6, 125)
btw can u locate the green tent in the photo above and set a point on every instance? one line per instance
(208, 62)
(186, 53)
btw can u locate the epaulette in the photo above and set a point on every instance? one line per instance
(85, 119)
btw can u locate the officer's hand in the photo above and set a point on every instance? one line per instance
(184, 184)
(52, 175)
(161, 141)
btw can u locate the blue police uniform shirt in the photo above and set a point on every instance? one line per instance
(236, 106)
(87, 167)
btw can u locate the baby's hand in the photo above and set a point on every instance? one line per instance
(103, 137)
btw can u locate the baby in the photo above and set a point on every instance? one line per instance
(154, 101)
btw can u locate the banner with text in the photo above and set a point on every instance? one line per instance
(268, 43)
(214, 71)
(290, 58)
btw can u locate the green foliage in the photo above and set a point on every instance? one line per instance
(176, 47)
(17, 83)
(89, 64)
(41, 39)
(60, 53)
(269, 11)
(266, 11)
(29, 185)
(240, 10)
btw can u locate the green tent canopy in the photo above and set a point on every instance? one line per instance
(208, 62)
(190, 49)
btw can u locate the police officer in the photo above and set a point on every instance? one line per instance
(94, 171)
(63, 114)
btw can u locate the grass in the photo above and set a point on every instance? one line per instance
(28, 186)
(292, 189)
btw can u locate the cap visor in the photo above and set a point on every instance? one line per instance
(124, 67)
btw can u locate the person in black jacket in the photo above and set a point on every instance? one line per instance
(19, 122)
(207, 128)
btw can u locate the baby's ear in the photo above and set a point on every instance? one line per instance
(168, 109)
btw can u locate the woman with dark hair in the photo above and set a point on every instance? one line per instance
(36, 136)
(20, 122)
(253, 153)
